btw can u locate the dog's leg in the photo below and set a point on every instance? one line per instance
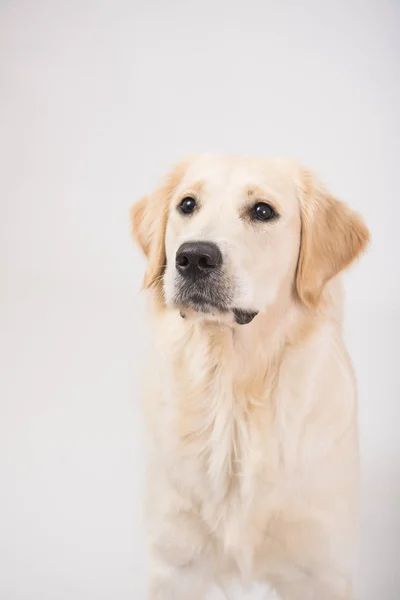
(169, 582)
(314, 590)
(181, 552)
(180, 566)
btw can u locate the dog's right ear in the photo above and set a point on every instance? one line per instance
(149, 222)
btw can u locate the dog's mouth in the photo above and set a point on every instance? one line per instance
(203, 295)
(210, 298)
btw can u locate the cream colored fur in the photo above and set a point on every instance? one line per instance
(253, 459)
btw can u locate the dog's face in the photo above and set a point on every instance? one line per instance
(233, 235)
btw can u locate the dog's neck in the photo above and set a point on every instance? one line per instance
(265, 337)
(284, 325)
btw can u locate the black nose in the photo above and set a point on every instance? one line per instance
(197, 259)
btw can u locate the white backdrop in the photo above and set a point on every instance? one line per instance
(97, 100)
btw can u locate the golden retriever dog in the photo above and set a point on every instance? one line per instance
(251, 400)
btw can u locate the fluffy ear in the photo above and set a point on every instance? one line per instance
(149, 221)
(332, 236)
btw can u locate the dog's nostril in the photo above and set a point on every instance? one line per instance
(182, 260)
(204, 262)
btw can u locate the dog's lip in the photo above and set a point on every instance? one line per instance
(199, 298)
(196, 298)
(204, 299)
(200, 303)
(241, 316)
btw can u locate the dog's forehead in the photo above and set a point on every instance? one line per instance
(236, 175)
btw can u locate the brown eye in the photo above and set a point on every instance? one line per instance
(263, 212)
(187, 205)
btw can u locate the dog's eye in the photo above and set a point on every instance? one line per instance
(187, 205)
(263, 212)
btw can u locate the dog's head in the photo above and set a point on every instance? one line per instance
(234, 235)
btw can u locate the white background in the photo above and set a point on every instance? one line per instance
(97, 100)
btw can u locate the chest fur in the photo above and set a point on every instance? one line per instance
(221, 437)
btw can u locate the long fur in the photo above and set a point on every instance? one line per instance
(253, 459)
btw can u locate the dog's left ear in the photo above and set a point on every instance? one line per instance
(149, 221)
(332, 236)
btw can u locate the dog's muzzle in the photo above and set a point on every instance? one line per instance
(201, 283)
